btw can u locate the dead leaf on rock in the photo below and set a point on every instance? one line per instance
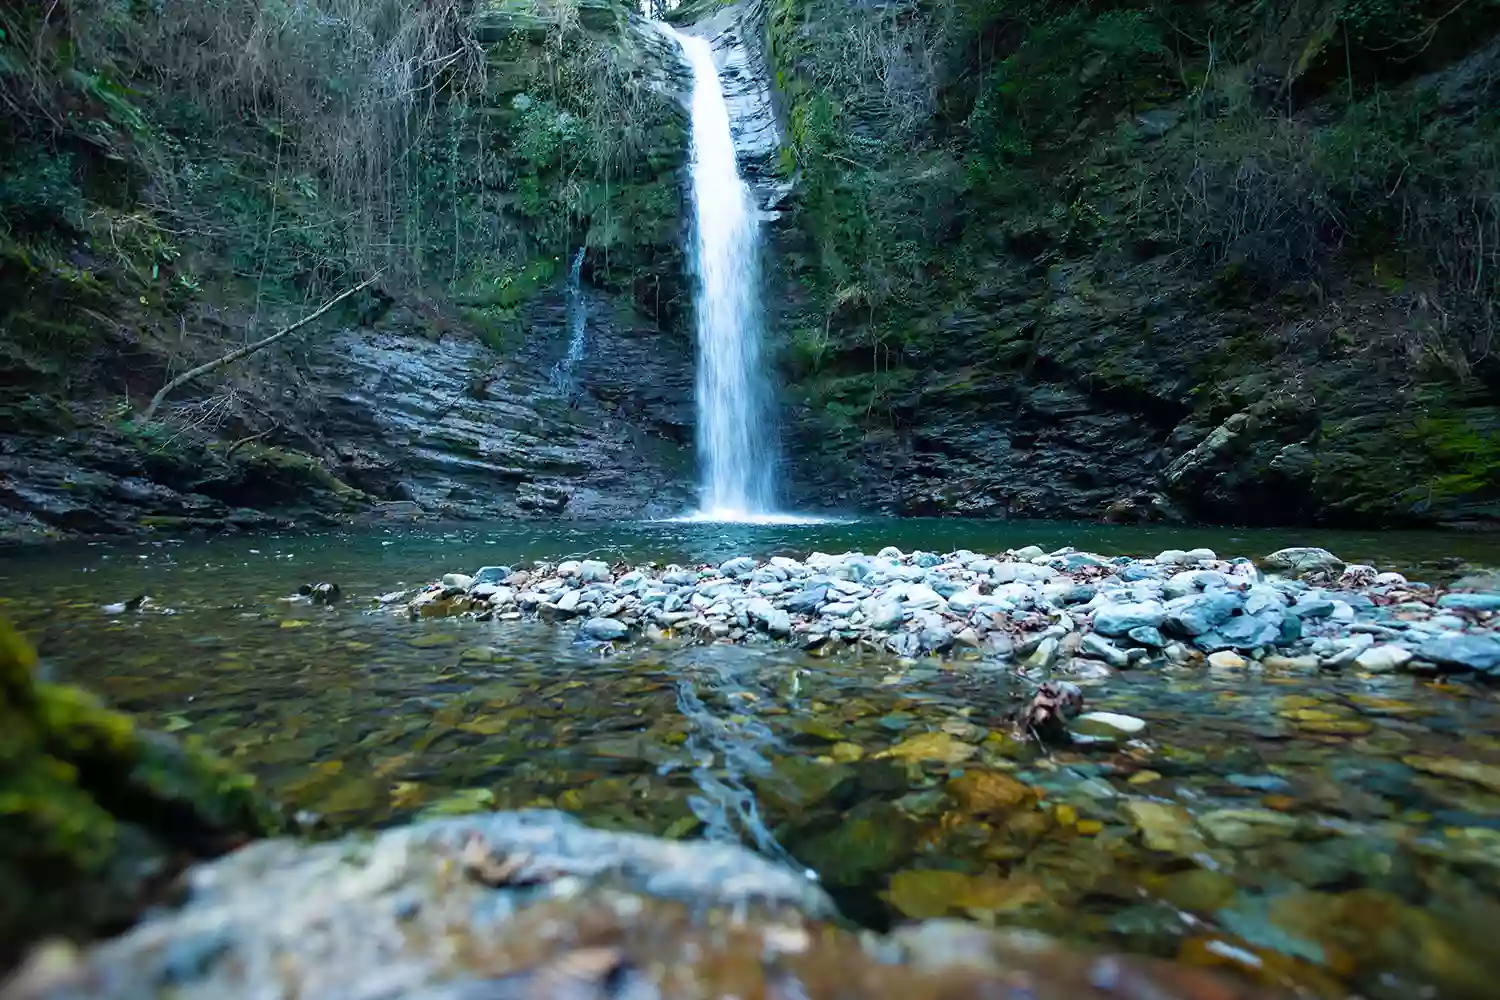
(497, 870)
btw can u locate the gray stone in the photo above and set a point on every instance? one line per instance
(1245, 632)
(593, 571)
(739, 566)
(605, 629)
(808, 601)
(1480, 653)
(1302, 560)
(1311, 606)
(1119, 619)
(1043, 655)
(919, 595)
(884, 615)
(1382, 659)
(935, 640)
(1101, 648)
(779, 623)
(964, 601)
(406, 912)
(1470, 602)
(1199, 613)
(1146, 635)
(491, 574)
(1261, 598)
(759, 608)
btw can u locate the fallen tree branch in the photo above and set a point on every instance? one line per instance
(229, 453)
(249, 349)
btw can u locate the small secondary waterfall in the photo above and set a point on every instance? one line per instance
(736, 433)
(562, 372)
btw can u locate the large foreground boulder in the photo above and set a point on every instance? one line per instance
(95, 812)
(535, 906)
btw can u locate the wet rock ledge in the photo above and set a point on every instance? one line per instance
(1066, 612)
(534, 906)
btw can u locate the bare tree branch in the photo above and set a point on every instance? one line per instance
(249, 349)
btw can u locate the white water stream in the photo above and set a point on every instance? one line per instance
(562, 373)
(736, 430)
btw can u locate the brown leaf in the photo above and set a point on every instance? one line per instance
(488, 868)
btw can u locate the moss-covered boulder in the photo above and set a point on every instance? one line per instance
(95, 812)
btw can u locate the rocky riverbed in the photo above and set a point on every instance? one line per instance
(1061, 614)
(1324, 830)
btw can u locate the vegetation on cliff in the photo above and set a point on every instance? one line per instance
(178, 178)
(1272, 230)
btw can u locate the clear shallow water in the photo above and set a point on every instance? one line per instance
(1382, 877)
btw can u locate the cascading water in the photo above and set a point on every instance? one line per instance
(736, 433)
(562, 372)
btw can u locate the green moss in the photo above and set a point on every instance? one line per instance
(86, 798)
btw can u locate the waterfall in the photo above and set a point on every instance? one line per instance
(562, 372)
(736, 433)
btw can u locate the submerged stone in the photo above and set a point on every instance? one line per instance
(1165, 827)
(1146, 635)
(938, 747)
(1247, 827)
(981, 792)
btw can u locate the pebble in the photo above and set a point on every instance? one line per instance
(1066, 609)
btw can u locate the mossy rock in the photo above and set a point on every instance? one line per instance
(95, 812)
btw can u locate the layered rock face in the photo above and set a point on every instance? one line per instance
(534, 906)
(460, 431)
(391, 421)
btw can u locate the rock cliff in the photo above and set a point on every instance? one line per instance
(430, 396)
(1077, 261)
